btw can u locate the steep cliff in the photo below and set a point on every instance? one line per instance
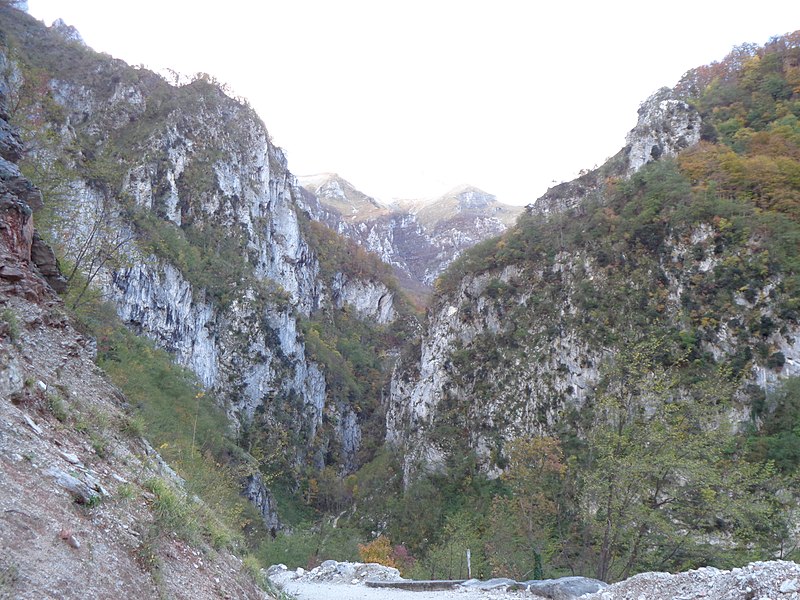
(175, 202)
(419, 238)
(89, 508)
(647, 247)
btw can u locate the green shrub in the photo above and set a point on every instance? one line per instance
(133, 426)
(309, 545)
(12, 327)
(253, 568)
(172, 511)
(57, 407)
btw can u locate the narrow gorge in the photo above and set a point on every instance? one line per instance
(287, 370)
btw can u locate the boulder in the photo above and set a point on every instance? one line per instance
(565, 588)
(81, 493)
(45, 260)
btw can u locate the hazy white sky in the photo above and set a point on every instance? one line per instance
(407, 99)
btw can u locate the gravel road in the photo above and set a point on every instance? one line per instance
(304, 590)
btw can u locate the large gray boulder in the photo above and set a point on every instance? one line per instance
(565, 588)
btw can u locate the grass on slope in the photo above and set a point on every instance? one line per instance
(182, 422)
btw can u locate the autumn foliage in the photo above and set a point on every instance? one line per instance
(381, 551)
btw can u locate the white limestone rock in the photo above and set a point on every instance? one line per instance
(666, 126)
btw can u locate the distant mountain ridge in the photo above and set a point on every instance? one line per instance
(418, 238)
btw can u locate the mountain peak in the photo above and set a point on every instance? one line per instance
(464, 199)
(338, 194)
(470, 197)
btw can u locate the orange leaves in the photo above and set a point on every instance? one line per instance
(378, 551)
(534, 461)
(703, 163)
(766, 175)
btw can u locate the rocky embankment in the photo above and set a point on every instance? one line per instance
(774, 580)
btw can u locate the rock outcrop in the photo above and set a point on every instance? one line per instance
(260, 496)
(665, 126)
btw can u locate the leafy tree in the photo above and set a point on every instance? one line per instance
(447, 559)
(378, 551)
(665, 486)
(778, 439)
(523, 533)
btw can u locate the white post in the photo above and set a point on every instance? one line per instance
(469, 565)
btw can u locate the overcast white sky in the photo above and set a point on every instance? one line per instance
(407, 99)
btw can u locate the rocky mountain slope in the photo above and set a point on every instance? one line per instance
(419, 238)
(174, 201)
(656, 291)
(542, 312)
(525, 315)
(88, 508)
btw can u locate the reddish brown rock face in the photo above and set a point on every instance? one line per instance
(16, 231)
(20, 246)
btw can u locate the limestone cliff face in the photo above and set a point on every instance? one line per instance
(160, 178)
(508, 378)
(371, 300)
(518, 342)
(44, 360)
(419, 238)
(666, 126)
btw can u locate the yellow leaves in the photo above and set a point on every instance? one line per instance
(750, 70)
(708, 495)
(768, 172)
(378, 551)
(312, 491)
(707, 322)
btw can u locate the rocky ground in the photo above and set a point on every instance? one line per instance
(774, 580)
(76, 520)
(346, 580)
